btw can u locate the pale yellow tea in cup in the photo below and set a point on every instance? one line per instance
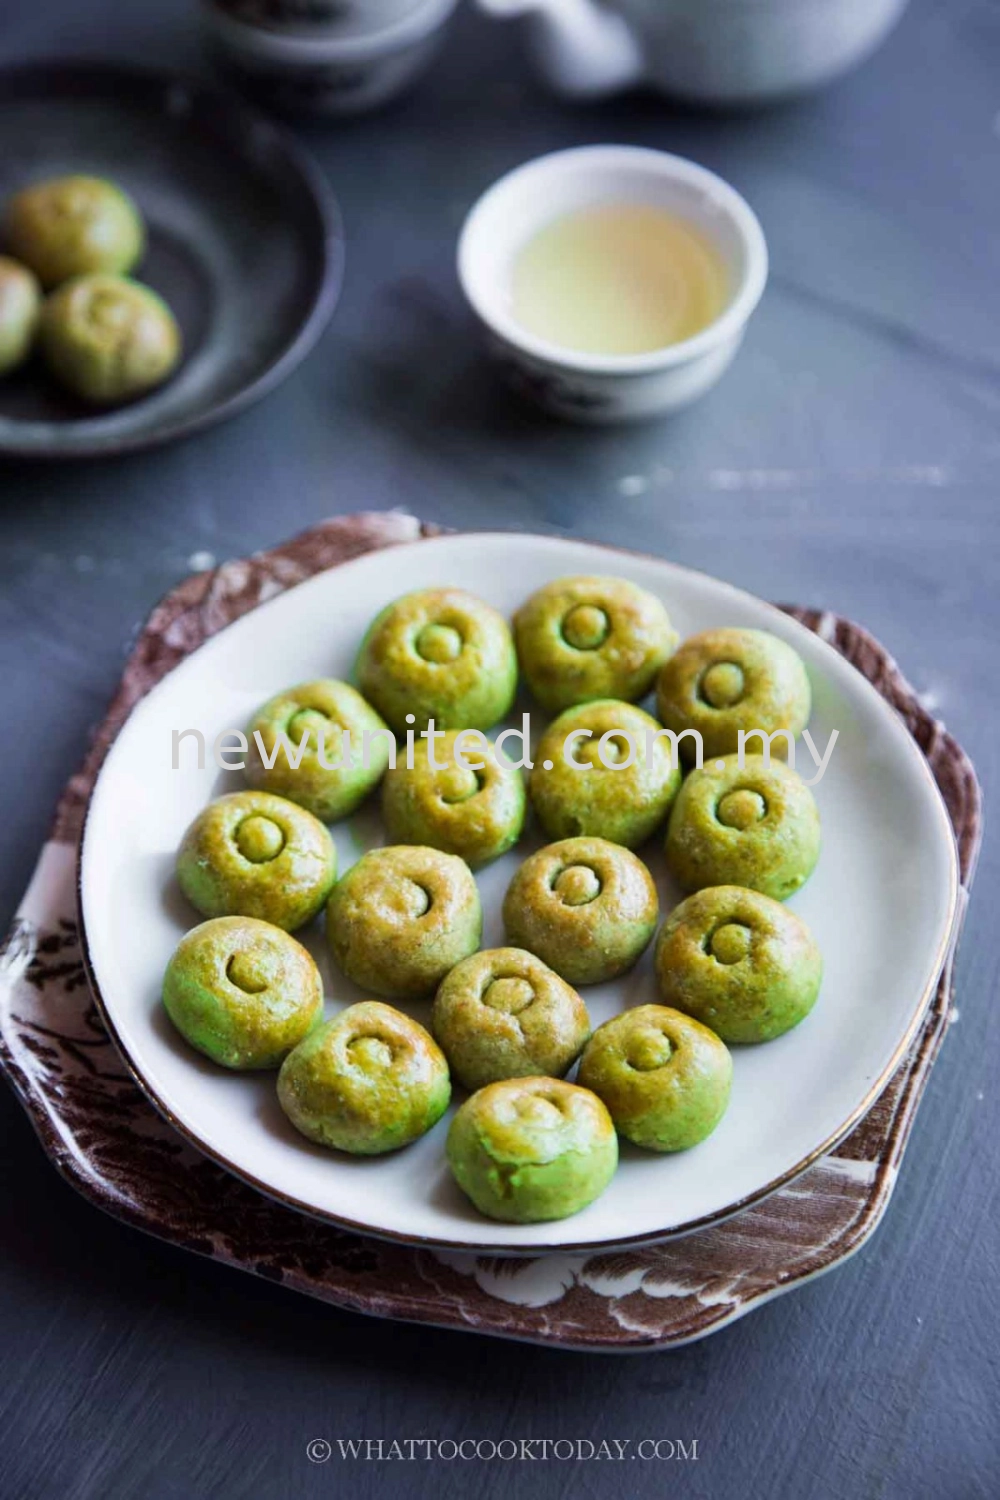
(618, 278)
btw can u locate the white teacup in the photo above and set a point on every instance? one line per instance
(608, 388)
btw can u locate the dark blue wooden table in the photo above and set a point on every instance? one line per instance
(849, 460)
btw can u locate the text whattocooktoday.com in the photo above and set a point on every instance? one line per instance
(616, 749)
(504, 1450)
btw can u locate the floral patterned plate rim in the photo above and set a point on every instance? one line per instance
(106, 1139)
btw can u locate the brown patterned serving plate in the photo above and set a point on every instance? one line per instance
(110, 1142)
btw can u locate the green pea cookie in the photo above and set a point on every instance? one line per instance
(332, 777)
(252, 854)
(400, 918)
(623, 780)
(756, 826)
(724, 681)
(369, 1081)
(529, 1149)
(438, 654)
(477, 813)
(504, 1014)
(664, 1077)
(738, 962)
(70, 226)
(585, 907)
(108, 339)
(243, 992)
(581, 639)
(20, 306)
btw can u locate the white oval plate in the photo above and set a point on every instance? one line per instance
(881, 903)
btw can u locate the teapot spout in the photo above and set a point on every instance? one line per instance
(583, 49)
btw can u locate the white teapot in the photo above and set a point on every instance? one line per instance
(713, 51)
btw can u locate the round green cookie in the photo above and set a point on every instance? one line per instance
(438, 654)
(71, 226)
(580, 639)
(20, 306)
(477, 814)
(504, 1014)
(756, 826)
(738, 962)
(371, 1080)
(725, 681)
(242, 991)
(623, 780)
(664, 1077)
(108, 339)
(332, 777)
(530, 1149)
(400, 918)
(252, 854)
(585, 907)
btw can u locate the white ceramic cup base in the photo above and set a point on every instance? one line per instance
(336, 70)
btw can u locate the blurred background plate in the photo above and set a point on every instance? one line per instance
(245, 243)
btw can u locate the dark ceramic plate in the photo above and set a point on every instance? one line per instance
(245, 243)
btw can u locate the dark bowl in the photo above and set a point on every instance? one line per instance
(245, 243)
